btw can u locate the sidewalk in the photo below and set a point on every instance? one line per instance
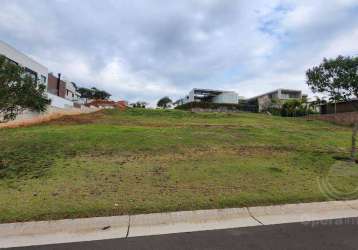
(88, 229)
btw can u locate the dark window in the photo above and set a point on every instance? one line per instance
(43, 79)
(31, 73)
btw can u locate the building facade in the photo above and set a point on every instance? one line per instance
(280, 95)
(39, 73)
(56, 86)
(31, 67)
(71, 92)
(210, 96)
(62, 88)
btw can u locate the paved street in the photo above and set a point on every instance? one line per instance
(332, 234)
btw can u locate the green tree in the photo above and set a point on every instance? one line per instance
(93, 93)
(291, 108)
(19, 91)
(339, 79)
(164, 102)
(100, 94)
(85, 93)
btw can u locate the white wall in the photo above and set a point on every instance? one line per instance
(70, 90)
(59, 102)
(70, 87)
(23, 60)
(29, 118)
(227, 97)
(191, 96)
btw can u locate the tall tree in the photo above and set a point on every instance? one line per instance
(19, 91)
(339, 79)
(164, 102)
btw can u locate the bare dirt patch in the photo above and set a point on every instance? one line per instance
(78, 119)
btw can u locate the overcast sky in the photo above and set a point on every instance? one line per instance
(146, 49)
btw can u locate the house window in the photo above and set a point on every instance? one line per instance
(43, 79)
(31, 73)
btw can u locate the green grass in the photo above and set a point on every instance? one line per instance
(141, 161)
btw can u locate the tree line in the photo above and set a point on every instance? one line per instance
(93, 93)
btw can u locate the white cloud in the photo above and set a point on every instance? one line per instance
(346, 44)
(118, 75)
(115, 76)
(147, 49)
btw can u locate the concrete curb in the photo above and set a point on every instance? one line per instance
(63, 231)
(189, 221)
(304, 212)
(98, 228)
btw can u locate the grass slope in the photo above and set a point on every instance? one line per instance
(141, 161)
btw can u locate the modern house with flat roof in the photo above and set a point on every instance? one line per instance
(210, 96)
(31, 67)
(62, 88)
(40, 74)
(264, 100)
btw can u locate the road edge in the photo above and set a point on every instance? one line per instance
(100, 228)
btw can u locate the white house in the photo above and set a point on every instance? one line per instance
(34, 69)
(31, 67)
(71, 91)
(210, 95)
(264, 100)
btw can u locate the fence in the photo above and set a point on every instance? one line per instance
(347, 118)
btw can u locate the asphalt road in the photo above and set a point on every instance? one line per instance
(333, 234)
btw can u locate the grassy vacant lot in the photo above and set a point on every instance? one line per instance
(142, 161)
